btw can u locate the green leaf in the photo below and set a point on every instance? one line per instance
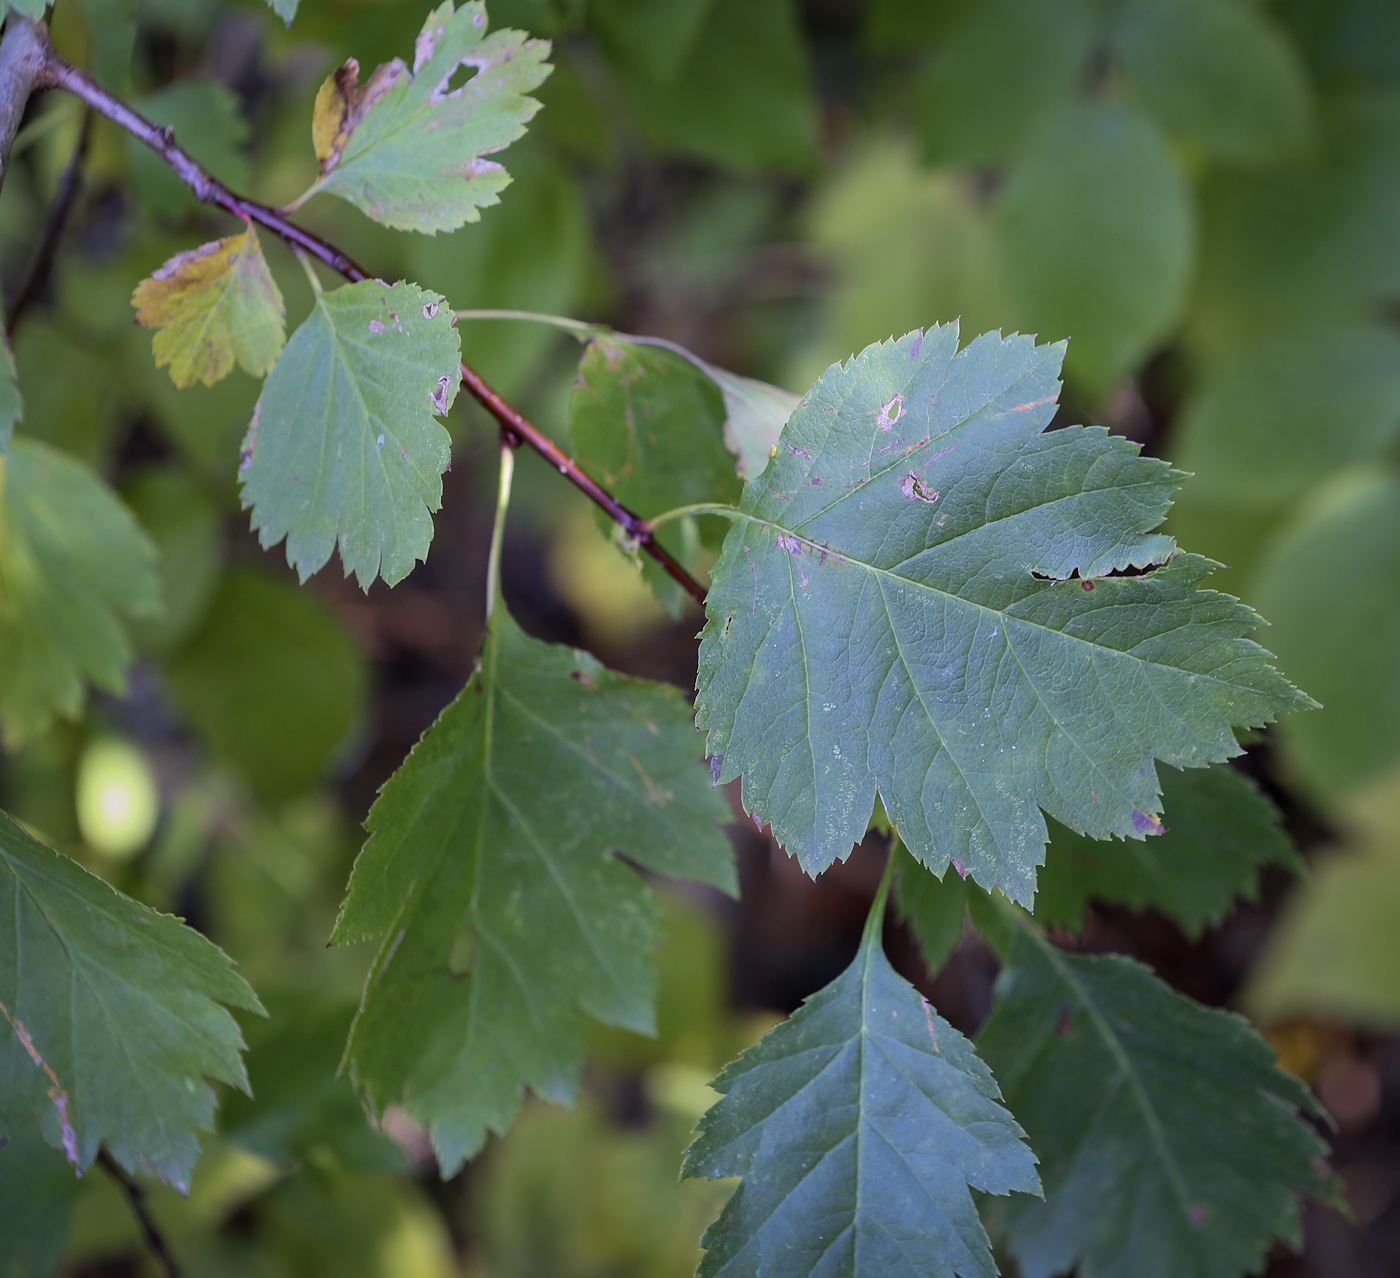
(1332, 587)
(1219, 73)
(1152, 1167)
(1271, 421)
(1097, 236)
(922, 252)
(209, 124)
(30, 8)
(297, 1104)
(914, 599)
(534, 256)
(649, 425)
(187, 529)
(492, 872)
(654, 38)
(343, 447)
(112, 32)
(1220, 833)
(933, 909)
(1335, 951)
(285, 9)
(746, 64)
(11, 403)
(755, 413)
(271, 683)
(113, 1017)
(860, 1127)
(75, 572)
(998, 73)
(37, 1193)
(408, 148)
(212, 305)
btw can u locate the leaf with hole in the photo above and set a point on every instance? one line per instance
(918, 598)
(409, 148)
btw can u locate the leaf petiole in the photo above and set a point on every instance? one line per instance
(498, 529)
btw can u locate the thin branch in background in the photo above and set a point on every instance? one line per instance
(57, 74)
(41, 267)
(136, 1196)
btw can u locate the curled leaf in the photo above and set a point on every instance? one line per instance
(213, 305)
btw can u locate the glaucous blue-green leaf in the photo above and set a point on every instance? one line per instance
(37, 1193)
(409, 148)
(113, 1017)
(75, 572)
(1220, 73)
(1170, 1142)
(745, 64)
(1331, 583)
(343, 447)
(1096, 229)
(1220, 833)
(860, 1126)
(11, 404)
(1002, 68)
(271, 683)
(492, 872)
(916, 599)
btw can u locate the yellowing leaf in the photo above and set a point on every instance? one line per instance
(212, 305)
(408, 148)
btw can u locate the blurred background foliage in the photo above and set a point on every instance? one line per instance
(1203, 194)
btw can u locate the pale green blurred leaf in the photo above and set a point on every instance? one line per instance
(75, 572)
(208, 124)
(271, 683)
(1219, 73)
(1097, 234)
(998, 73)
(1330, 586)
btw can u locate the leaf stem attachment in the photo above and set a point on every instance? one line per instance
(136, 1196)
(498, 529)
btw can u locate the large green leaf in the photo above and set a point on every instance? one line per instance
(1220, 73)
(11, 404)
(343, 446)
(1097, 237)
(915, 598)
(654, 38)
(999, 72)
(1220, 833)
(208, 123)
(490, 871)
(1170, 1142)
(113, 1017)
(271, 682)
(745, 64)
(860, 1127)
(409, 148)
(75, 572)
(1332, 587)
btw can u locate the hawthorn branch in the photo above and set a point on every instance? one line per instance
(55, 73)
(136, 1196)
